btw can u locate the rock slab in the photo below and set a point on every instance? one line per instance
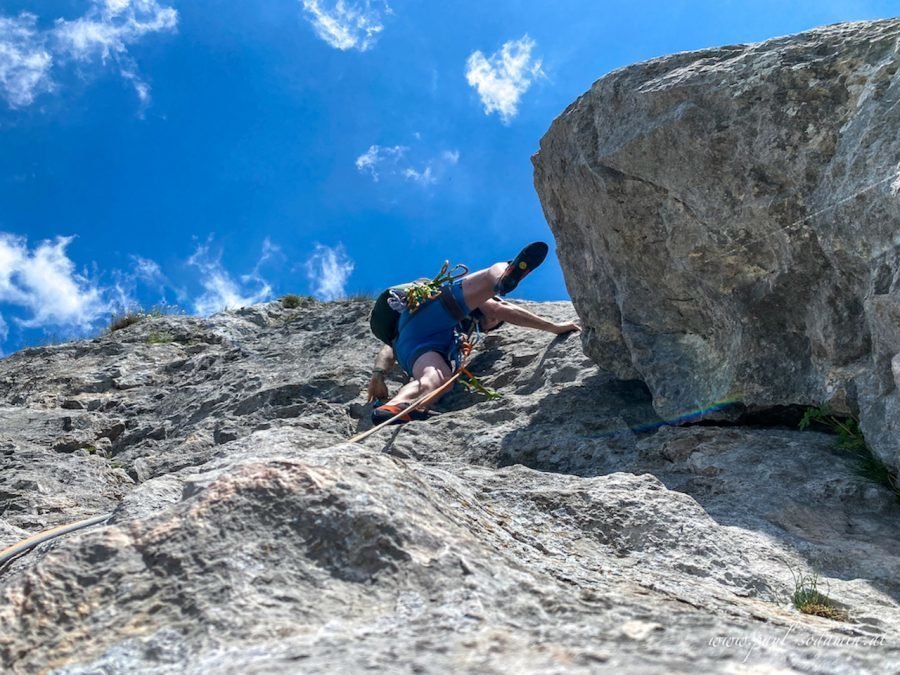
(728, 222)
(559, 528)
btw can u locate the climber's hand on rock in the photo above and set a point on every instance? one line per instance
(377, 388)
(563, 328)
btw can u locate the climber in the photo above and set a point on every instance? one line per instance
(425, 341)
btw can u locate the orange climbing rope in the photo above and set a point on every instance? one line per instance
(27, 544)
(412, 406)
(465, 350)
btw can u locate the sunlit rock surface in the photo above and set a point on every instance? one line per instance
(559, 528)
(728, 222)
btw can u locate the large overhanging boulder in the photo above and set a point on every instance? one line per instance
(728, 222)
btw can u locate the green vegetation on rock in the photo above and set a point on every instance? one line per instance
(851, 440)
(808, 599)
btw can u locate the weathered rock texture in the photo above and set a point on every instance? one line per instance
(557, 529)
(728, 221)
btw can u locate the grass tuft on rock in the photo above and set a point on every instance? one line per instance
(807, 598)
(361, 296)
(291, 301)
(852, 441)
(133, 316)
(159, 338)
(120, 321)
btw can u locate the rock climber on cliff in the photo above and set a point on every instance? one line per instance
(425, 341)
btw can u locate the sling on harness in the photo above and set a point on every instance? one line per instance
(392, 302)
(421, 293)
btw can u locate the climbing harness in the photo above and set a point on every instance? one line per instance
(391, 303)
(415, 296)
(422, 292)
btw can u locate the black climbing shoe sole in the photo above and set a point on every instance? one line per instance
(385, 412)
(529, 258)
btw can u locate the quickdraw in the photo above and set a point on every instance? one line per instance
(421, 293)
(474, 383)
(465, 349)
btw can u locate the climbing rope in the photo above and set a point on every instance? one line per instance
(54, 532)
(465, 350)
(412, 406)
(466, 346)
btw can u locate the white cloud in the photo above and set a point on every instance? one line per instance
(221, 291)
(117, 6)
(328, 270)
(102, 35)
(110, 26)
(141, 88)
(345, 24)
(504, 77)
(376, 155)
(147, 270)
(121, 292)
(24, 61)
(44, 282)
(392, 161)
(42, 286)
(424, 177)
(269, 250)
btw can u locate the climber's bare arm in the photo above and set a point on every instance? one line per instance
(384, 361)
(499, 310)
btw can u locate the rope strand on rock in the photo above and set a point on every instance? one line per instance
(39, 538)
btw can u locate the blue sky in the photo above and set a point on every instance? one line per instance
(213, 153)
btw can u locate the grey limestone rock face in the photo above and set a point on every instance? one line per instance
(728, 222)
(559, 528)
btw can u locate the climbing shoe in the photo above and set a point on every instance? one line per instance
(385, 412)
(529, 257)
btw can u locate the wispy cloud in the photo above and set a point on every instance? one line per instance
(423, 177)
(98, 39)
(40, 286)
(24, 61)
(345, 24)
(221, 291)
(109, 26)
(504, 77)
(43, 281)
(370, 161)
(328, 270)
(147, 270)
(269, 251)
(143, 272)
(380, 161)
